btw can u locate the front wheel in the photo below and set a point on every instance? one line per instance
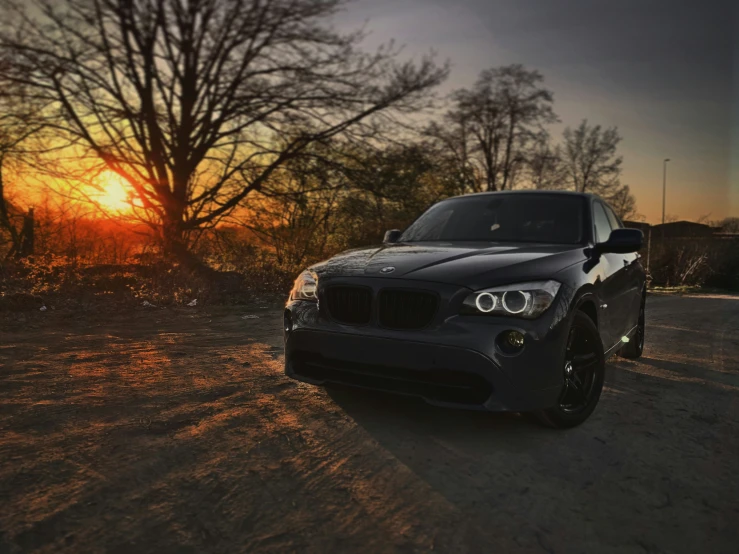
(583, 371)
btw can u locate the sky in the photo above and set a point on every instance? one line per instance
(665, 72)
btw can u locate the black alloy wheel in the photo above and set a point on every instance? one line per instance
(581, 363)
(582, 375)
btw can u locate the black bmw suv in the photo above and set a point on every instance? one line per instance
(503, 301)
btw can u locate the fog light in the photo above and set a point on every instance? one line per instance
(514, 339)
(510, 343)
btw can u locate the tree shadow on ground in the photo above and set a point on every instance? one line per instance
(187, 437)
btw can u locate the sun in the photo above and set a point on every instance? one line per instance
(114, 194)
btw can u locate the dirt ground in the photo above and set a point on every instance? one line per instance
(162, 430)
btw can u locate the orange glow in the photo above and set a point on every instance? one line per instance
(115, 194)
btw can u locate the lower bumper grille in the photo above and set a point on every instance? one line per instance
(441, 385)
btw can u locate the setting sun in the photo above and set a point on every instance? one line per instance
(114, 193)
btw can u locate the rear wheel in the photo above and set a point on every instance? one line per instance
(582, 375)
(634, 348)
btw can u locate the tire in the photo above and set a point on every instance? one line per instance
(634, 348)
(582, 380)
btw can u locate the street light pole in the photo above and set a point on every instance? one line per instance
(664, 187)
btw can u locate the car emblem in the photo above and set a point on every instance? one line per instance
(388, 269)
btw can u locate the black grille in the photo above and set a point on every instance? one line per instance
(435, 384)
(350, 305)
(406, 309)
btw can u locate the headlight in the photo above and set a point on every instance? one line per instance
(305, 287)
(528, 300)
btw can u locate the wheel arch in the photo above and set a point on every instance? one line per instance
(587, 306)
(586, 301)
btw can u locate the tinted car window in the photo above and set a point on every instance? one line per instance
(502, 218)
(602, 225)
(613, 218)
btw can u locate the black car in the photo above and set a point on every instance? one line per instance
(502, 301)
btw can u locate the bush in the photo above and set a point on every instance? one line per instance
(726, 265)
(706, 261)
(62, 282)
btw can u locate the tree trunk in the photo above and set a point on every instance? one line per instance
(508, 149)
(176, 248)
(5, 223)
(27, 244)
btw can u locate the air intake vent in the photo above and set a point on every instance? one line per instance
(406, 309)
(349, 305)
(438, 384)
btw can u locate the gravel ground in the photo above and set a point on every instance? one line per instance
(175, 431)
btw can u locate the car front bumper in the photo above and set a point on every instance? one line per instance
(455, 362)
(441, 375)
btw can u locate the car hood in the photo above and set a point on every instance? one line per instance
(473, 265)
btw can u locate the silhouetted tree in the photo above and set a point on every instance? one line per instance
(453, 147)
(728, 225)
(623, 202)
(544, 165)
(19, 122)
(198, 104)
(333, 198)
(592, 164)
(491, 126)
(296, 218)
(590, 158)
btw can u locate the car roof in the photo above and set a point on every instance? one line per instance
(533, 192)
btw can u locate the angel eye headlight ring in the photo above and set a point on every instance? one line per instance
(526, 296)
(486, 302)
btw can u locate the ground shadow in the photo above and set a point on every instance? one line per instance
(187, 437)
(613, 464)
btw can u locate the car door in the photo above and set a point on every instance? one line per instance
(614, 282)
(632, 280)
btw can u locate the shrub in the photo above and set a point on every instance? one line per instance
(59, 281)
(706, 261)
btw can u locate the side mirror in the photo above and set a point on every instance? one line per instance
(392, 236)
(622, 241)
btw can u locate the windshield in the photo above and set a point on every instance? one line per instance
(548, 218)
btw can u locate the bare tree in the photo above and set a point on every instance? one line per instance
(592, 164)
(189, 101)
(18, 123)
(728, 225)
(544, 165)
(334, 199)
(590, 157)
(491, 125)
(623, 203)
(296, 218)
(454, 148)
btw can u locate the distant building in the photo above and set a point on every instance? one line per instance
(637, 225)
(683, 229)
